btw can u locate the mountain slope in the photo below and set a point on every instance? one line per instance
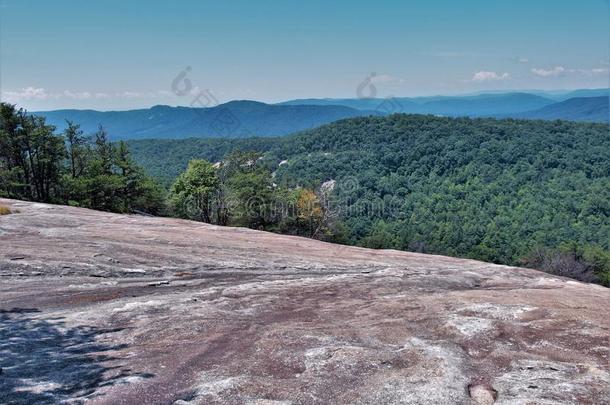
(240, 119)
(584, 93)
(473, 106)
(236, 119)
(592, 109)
(486, 105)
(105, 308)
(396, 104)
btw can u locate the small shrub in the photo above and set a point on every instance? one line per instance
(590, 264)
(4, 210)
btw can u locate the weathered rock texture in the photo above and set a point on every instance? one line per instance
(126, 309)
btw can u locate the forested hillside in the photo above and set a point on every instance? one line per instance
(497, 190)
(165, 159)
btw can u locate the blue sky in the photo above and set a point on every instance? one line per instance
(112, 54)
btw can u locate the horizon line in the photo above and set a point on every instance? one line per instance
(455, 95)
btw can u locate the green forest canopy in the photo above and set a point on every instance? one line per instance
(495, 190)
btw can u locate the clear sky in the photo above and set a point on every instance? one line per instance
(112, 54)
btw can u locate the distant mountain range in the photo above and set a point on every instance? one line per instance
(241, 119)
(561, 96)
(235, 119)
(474, 106)
(593, 109)
(579, 105)
(556, 95)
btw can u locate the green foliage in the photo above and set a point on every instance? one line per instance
(249, 190)
(30, 155)
(36, 164)
(77, 147)
(599, 260)
(239, 191)
(193, 192)
(304, 213)
(381, 236)
(484, 188)
(589, 263)
(165, 159)
(480, 188)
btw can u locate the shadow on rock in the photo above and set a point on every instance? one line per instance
(43, 361)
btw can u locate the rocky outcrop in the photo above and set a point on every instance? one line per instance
(122, 309)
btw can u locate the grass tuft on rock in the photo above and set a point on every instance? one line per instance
(4, 210)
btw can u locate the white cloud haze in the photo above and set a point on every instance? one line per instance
(484, 76)
(40, 93)
(559, 71)
(554, 72)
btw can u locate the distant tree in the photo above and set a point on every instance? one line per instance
(31, 156)
(193, 193)
(139, 191)
(105, 152)
(36, 164)
(588, 263)
(103, 183)
(250, 196)
(314, 217)
(382, 236)
(309, 212)
(77, 148)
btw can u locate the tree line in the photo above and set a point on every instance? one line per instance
(91, 171)
(70, 168)
(239, 191)
(534, 193)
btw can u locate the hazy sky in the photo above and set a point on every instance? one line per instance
(111, 54)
